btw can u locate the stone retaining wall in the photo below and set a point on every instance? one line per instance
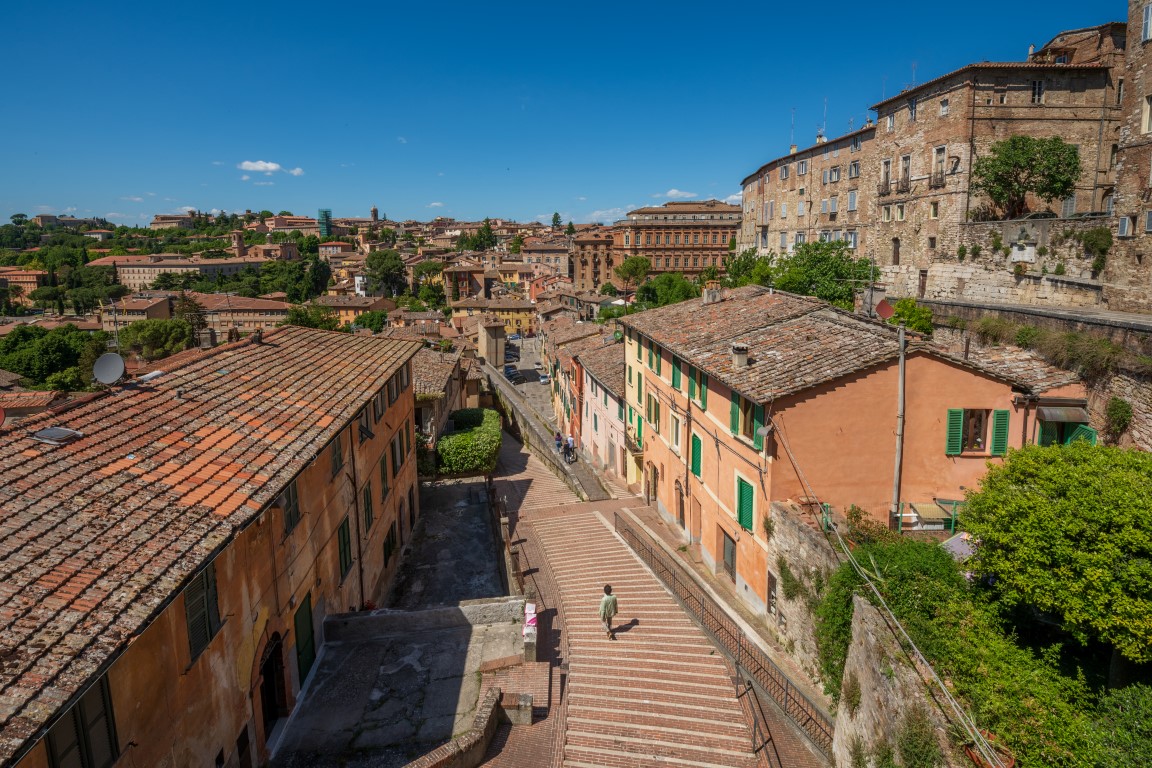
(369, 624)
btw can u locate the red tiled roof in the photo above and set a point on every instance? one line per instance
(431, 371)
(28, 399)
(101, 534)
(606, 364)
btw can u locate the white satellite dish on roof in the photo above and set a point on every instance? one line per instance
(109, 368)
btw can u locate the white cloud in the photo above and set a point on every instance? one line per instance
(150, 194)
(217, 162)
(296, 172)
(401, 139)
(259, 165)
(245, 177)
(675, 194)
(581, 198)
(264, 183)
(186, 208)
(734, 199)
(70, 209)
(133, 199)
(608, 215)
(436, 205)
(114, 215)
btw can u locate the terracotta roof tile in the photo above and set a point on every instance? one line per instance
(607, 365)
(432, 370)
(29, 399)
(100, 534)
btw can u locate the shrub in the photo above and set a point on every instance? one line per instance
(475, 448)
(961, 252)
(857, 756)
(1117, 416)
(1026, 336)
(1124, 720)
(916, 742)
(914, 316)
(1059, 268)
(1042, 251)
(994, 330)
(997, 241)
(850, 694)
(834, 628)
(793, 587)
(976, 251)
(1018, 268)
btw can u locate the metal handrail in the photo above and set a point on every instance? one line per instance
(748, 657)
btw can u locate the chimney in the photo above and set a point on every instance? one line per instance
(820, 138)
(739, 355)
(792, 149)
(258, 336)
(1031, 50)
(711, 292)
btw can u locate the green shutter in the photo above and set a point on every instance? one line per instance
(676, 373)
(757, 423)
(659, 356)
(639, 347)
(640, 433)
(691, 383)
(697, 449)
(1049, 433)
(704, 391)
(620, 410)
(1083, 432)
(734, 414)
(344, 537)
(629, 415)
(744, 504)
(639, 387)
(999, 433)
(955, 442)
(651, 365)
(305, 648)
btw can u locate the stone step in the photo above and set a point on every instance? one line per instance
(585, 703)
(599, 754)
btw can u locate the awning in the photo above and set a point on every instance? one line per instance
(930, 511)
(1064, 414)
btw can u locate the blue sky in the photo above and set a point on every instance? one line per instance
(511, 110)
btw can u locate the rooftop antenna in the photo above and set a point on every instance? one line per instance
(913, 74)
(883, 87)
(824, 128)
(109, 368)
(792, 134)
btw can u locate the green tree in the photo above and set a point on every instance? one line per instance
(385, 270)
(432, 295)
(427, 269)
(19, 219)
(1067, 530)
(376, 320)
(556, 220)
(516, 244)
(190, 311)
(570, 230)
(666, 288)
(313, 316)
(913, 316)
(608, 289)
(1019, 165)
(156, 339)
(285, 213)
(1124, 719)
(824, 270)
(632, 271)
(739, 269)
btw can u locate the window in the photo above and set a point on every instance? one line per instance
(784, 210)
(855, 146)
(783, 172)
(852, 200)
(344, 540)
(595, 423)
(366, 498)
(404, 377)
(932, 243)
(853, 239)
(1125, 226)
(1148, 221)
(824, 176)
(378, 406)
(201, 610)
(675, 433)
(900, 212)
(639, 387)
(729, 554)
(696, 459)
(365, 426)
(397, 453)
(783, 241)
(800, 238)
(289, 501)
(934, 210)
(834, 174)
(698, 386)
(833, 204)
(1037, 91)
(746, 418)
(943, 107)
(1120, 86)
(393, 389)
(85, 737)
(853, 169)
(801, 167)
(771, 209)
(1068, 206)
(800, 208)
(890, 123)
(652, 412)
(968, 432)
(744, 503)
(390, 541)
(912, 109)
(885, 171)
(886, 213)
(336, 453)
(1146, 26)
(772, 599)
(384, 475)
(824, 206)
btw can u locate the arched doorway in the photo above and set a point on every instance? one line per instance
(273, 690)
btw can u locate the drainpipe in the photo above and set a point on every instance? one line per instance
(899, 428)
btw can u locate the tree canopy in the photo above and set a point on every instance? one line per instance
(1019, 165)
(666, 288)
(556, 220)
(827, 271)
(37, 353)
(632, 270)
(313, 316)
(913, 316)
(154, 339)
(385, 270)
(1067, 530)
(376, 320)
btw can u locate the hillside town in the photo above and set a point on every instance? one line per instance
(852, 472)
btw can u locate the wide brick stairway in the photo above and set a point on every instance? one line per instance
(659, 695)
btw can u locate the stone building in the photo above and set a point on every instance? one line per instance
(1128, 272)
(684, 237)
(593, 260)
(824, 192)
(174, 549)
(928, 137)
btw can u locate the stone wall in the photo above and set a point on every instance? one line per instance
(468, 749)
(811, 560)
(890, 686)
(365, 625)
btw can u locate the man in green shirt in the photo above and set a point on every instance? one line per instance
(608, 610)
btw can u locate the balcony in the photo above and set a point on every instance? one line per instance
(904, 184)
(884, 188)
(936, 179)
(633, 443)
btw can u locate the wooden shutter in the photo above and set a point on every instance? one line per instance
(1083, 432)
(651, 365)
(691, 383)
(344, 537)
(213, 601)
(697, 449)
(999, 432)
(757, 423)
(955, 442)
(1049, 433)
(196, 613)
(95, 712)
(704, 391)
(676, 373)
(305, 648)
(659, 356)
(640, 433)
(734, 414)
(744, 504)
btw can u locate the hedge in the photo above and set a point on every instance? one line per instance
(474, 446)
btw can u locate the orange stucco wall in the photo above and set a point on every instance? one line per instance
(172, 710)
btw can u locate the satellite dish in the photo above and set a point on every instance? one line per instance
(109, 368)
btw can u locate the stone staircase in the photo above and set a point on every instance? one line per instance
(659, 695)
